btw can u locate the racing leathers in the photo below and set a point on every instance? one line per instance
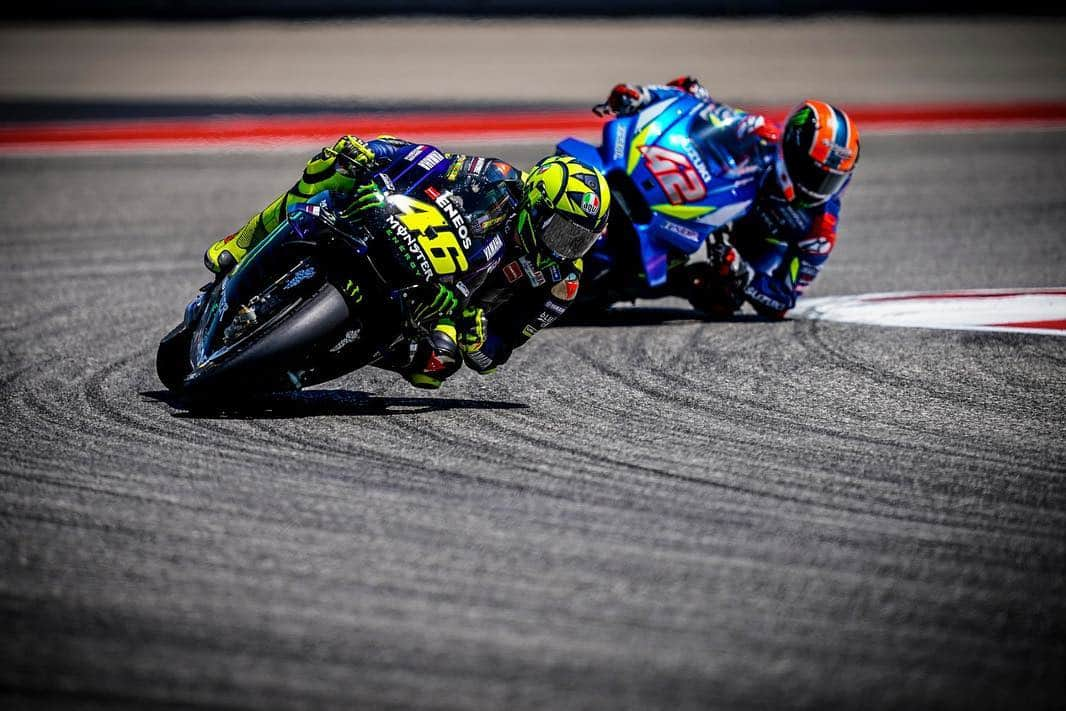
(771, 253)
(498, 293)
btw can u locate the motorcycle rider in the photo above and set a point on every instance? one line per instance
(772, 253)
(544, 221)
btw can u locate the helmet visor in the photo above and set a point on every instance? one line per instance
(568, 240)
(814, 182)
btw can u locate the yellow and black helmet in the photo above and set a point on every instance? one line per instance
(565, 206)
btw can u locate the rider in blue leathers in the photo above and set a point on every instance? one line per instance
(771, 254)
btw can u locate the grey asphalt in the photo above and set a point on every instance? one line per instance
(565, 60)
(646, 512)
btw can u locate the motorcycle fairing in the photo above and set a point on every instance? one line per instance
(219, 329)
(690, 187)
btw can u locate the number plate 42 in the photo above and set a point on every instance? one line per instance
(678, 179)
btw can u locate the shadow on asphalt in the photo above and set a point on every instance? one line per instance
(323, 403)
(648, 316)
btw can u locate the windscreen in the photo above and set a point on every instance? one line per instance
(719, 145)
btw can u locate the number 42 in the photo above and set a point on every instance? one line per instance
(678, 179)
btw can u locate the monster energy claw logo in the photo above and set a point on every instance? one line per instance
(801, 117)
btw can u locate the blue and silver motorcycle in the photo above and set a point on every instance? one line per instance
(679, 171)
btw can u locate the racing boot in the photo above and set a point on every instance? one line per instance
(219, 257)
(338, 169)
(706, 289)
(227, 252)
(437, 357)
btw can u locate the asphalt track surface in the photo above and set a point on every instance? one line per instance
(646, 512)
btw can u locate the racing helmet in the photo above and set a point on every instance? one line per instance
(564, 208)
(818, 152)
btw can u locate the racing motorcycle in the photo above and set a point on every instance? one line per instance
(321, 296)
(679, 173)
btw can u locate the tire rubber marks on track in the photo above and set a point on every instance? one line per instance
(1040, 311)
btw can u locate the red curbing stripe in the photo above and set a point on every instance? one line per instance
(467, 125)
(1054, 324)
(228, 129)
(974, 294)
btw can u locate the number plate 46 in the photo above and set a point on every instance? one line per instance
(434, 233)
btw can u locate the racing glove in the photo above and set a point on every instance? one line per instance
(354, 159)
(623, 100)
(481, 352)
(471, 326)
(691, 85)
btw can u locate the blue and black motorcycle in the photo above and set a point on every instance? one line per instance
(320, 296)
(679, 172)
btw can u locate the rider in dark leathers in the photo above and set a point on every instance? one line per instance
(772, 253)
(534, 229)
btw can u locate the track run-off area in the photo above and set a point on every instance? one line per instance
(647, 511)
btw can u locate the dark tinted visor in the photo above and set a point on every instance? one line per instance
(567, 239)
(814, 182)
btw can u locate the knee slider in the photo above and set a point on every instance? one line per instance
(444, 344)
(438, 356)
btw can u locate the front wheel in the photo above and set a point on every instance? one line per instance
(172, 358)
(172, 362)
(287, 343)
